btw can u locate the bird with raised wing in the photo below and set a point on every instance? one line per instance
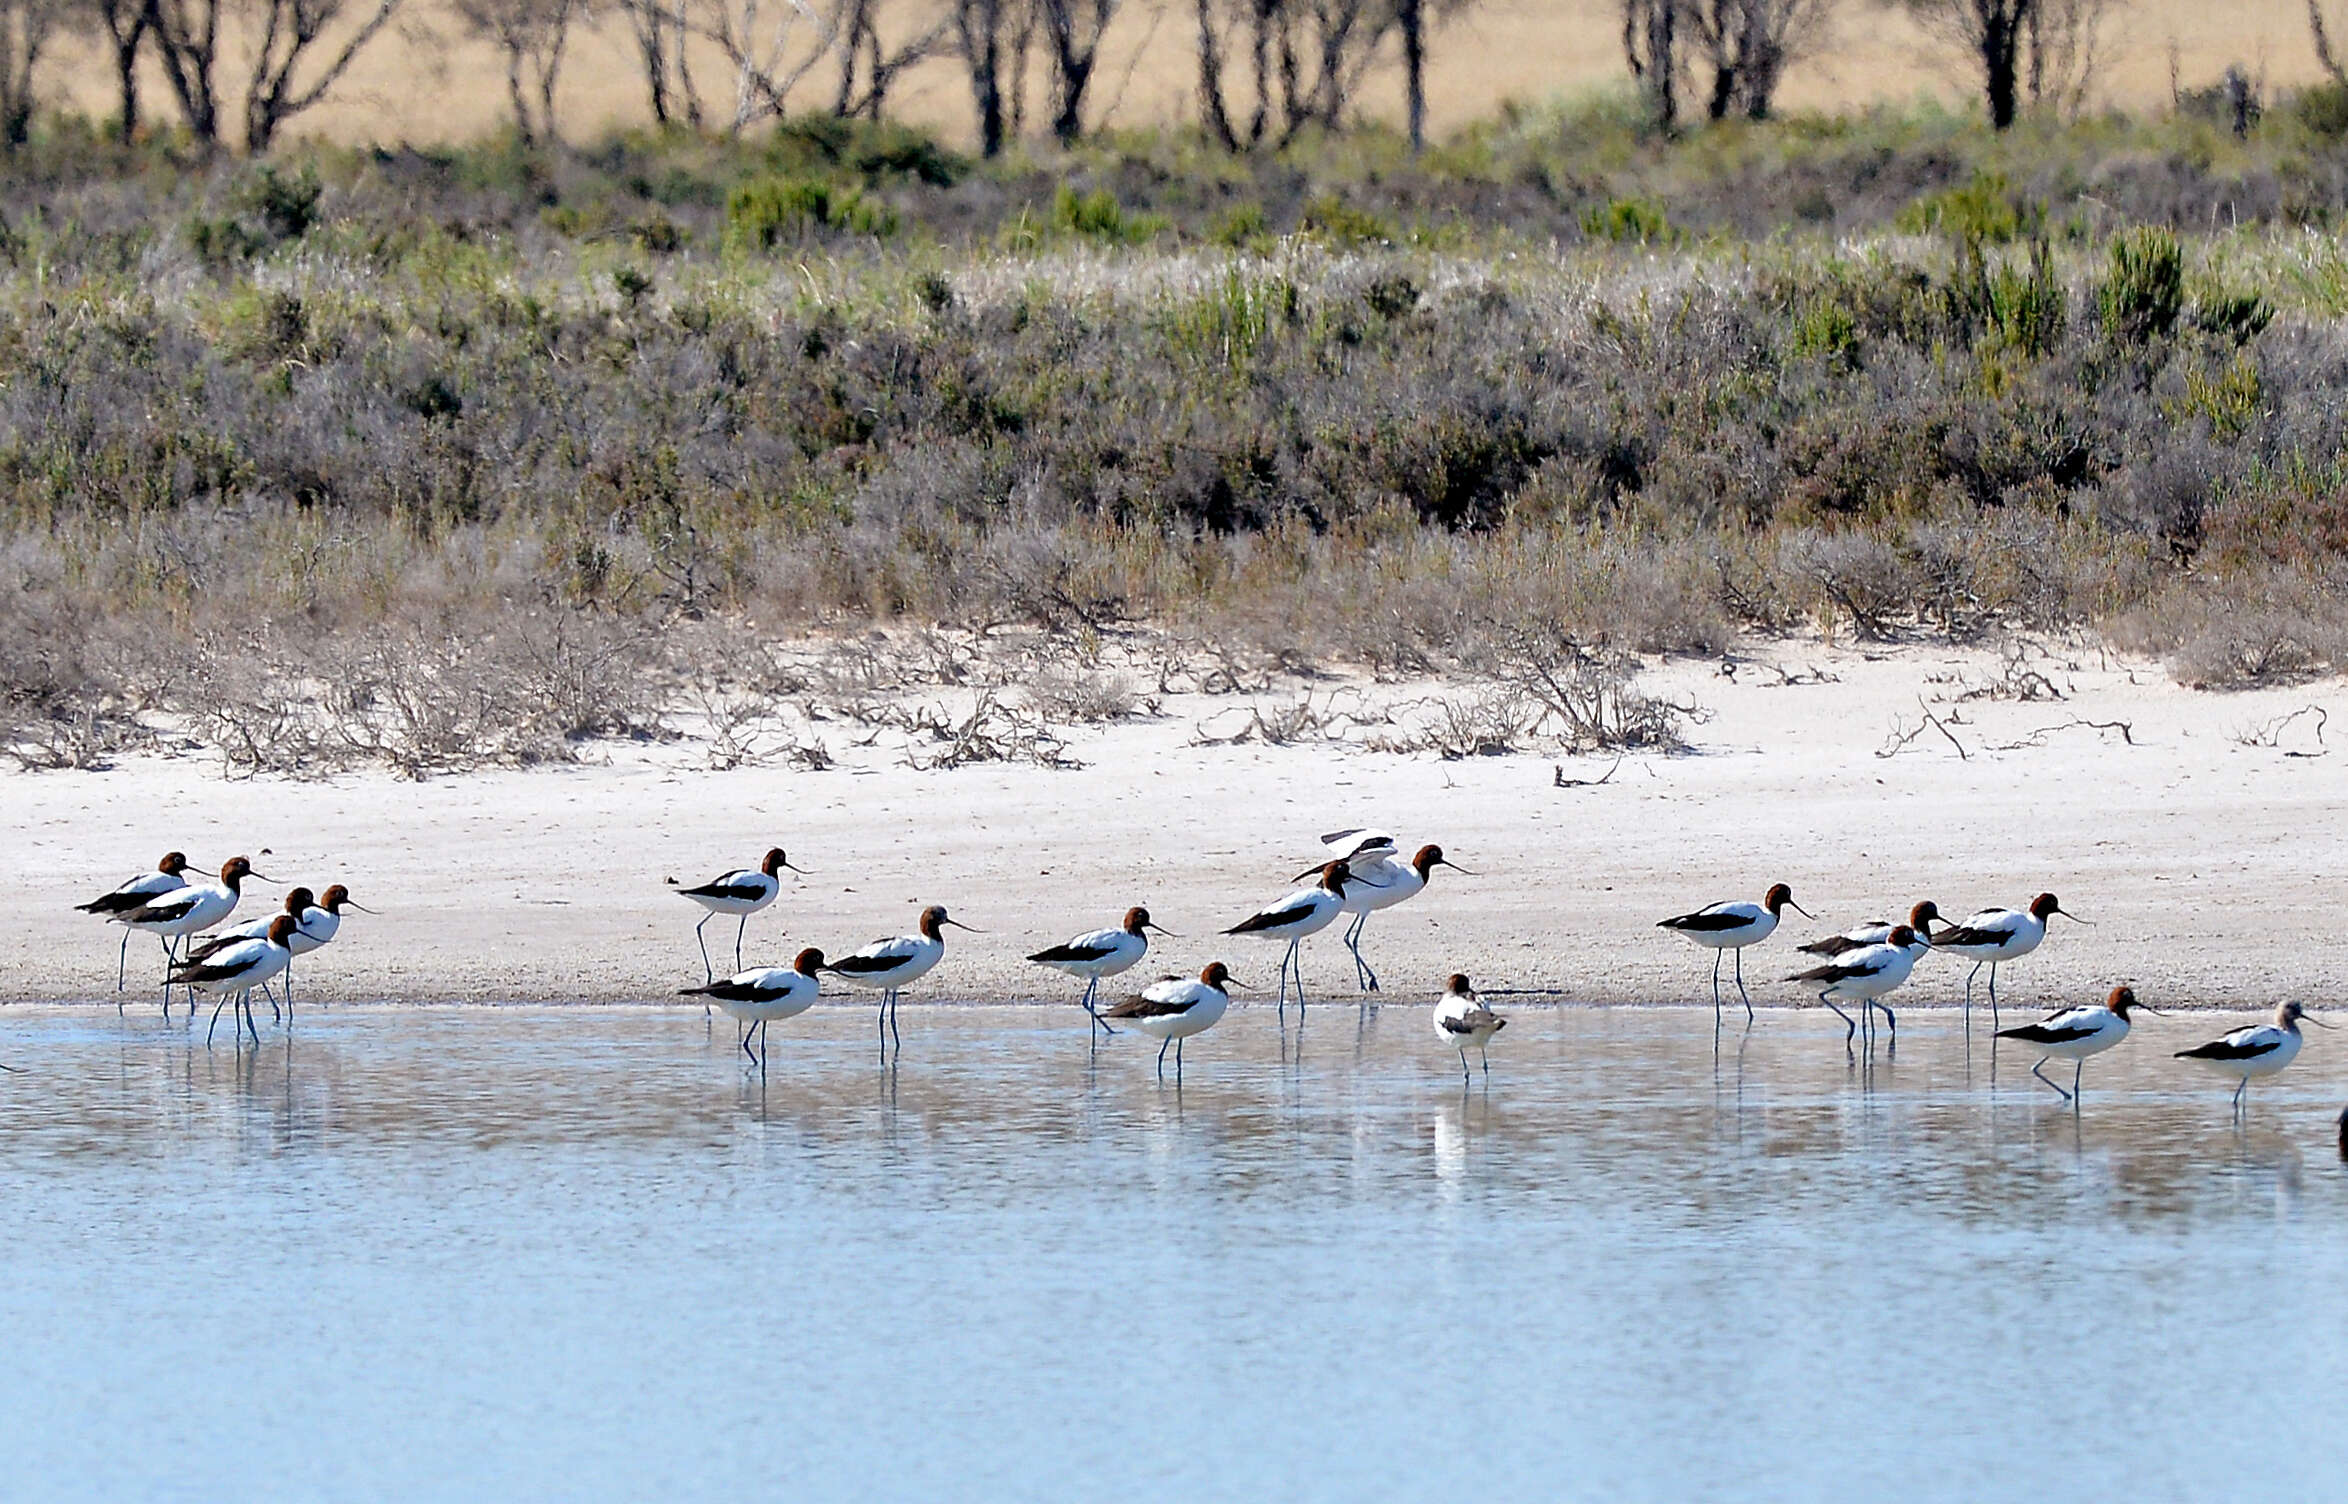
(759, 997)
(1303, 913)
(1380, 881)
(1733, 926)
(1874, 932)
(2255, 1052)
(1174, 1009)
(1864, 975)
(1462, 1020)
(741, 893)
(133, 893)
(2076, 1033)
(1103, 954)
(1993, 937)
(885, 966)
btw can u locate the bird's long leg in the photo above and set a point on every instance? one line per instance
(208, 1028)
(1891, 1018)
(2076, 1067)
(895, 1039)
(1092, 991)
(1162, 1057)
(762, 1046)
(256, 1033)
(2238, 1091)
(2041, 1075)
(742, 1039)
(1717, 957)
(1741, 992)
(1993, 1018)
(122, 962)
(1485, 1051)
(1849, 1028)
(1969, 976)
(1177, 1064)
(708, 972)
(884, 1026)
(738, 929)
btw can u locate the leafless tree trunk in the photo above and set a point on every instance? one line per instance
(1990, 34)
(1650, 43)
(125, 25)
(1073, 31)
(290, 30)
(2064, 44)
(978, 34)
(25, 28)
(532, 35)
(1748, 44)
(770, 45)
(187, 43)
(869, 68)
(1305, 60)
(648, 25)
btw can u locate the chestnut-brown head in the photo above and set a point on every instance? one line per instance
(173, 863)
(298, 899)
(775, 862)
(935, 918)
(1901, 936)
(281, 929)
(1778, 897)
(1458, 985)
(2046, 904)
(2122, 1000)
(1430, 857)
(1920, 917)
(1218, 976)
(1335, 876)
(1138, 919)
(809, 963)
(235, 870)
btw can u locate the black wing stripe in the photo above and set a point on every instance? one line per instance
(2041, 1034)
(1270, 919)
(1142, 1007)
(1964, 935)
(1706, 923)
(2226, 1049)
(1073, 953)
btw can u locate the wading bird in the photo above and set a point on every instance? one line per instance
(757, 998)
(1307, 911)
(885, 966)
(1380, 881)
(237, 970)
(1874, 932)
(1174, 1009)
(189, 909)
(1462, 1019)
(1733, 926)
(1995, 936)
(135, 893)
(1864, 975)
(743, 893)
(2257, 1051)
(297, 902)
(1101, 954)
(2076, 1033)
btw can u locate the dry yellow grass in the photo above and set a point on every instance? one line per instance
(421, 88)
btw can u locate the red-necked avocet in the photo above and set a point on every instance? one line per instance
(1995, 936)
(237, 970)
(1864, 975)
(1174, 1009)
(2076, 1033)
(168, 876)
(1733, 926)
(2257, 1051)
(1307, 911)
(1103, 953)
(1463, 1020)
(757, 998)
(743, 893)
(189, 909)
(1874, 932)
(297, 901)
(1380, 881)
(885, 966)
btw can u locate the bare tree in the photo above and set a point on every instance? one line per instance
(978, 36)
(770, 46)
(25, 28)
(1650, 44)
(1748, 44)
(531, 34)
(660, 29)
(187, 43)
(1990, 35)
(125, 24)
(869, 68)
(1073, 31)
(1305, 60)
(291, 29)
(2063, 46)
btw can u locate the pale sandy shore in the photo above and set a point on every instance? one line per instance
(2210, 866)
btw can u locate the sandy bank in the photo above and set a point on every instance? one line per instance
(2209, 864)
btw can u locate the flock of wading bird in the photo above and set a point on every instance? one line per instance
(1363, 873)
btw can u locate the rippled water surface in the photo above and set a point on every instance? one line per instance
(581, 1253)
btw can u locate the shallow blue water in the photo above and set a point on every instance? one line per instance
(580, 1253)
